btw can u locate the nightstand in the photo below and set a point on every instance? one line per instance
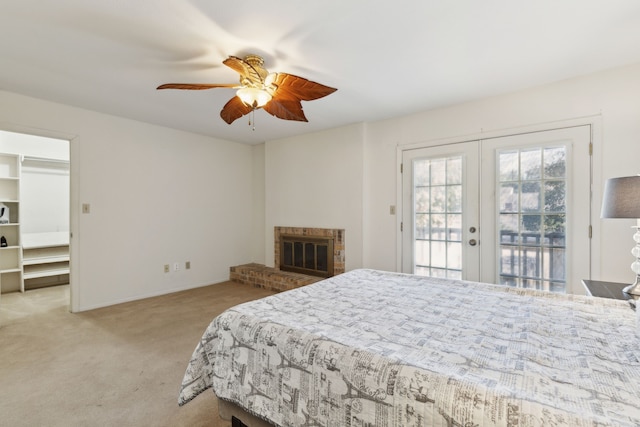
(601, 289)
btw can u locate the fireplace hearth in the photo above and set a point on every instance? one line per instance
(311, 243)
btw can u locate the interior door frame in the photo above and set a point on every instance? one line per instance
(74, 251)
(595, 121)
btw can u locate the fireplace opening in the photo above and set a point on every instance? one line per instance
(307, 255)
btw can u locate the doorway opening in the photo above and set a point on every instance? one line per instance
(35, 190)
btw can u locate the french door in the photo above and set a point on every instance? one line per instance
(441, 211)
(512, 210)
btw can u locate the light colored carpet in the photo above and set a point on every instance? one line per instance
(116, 366)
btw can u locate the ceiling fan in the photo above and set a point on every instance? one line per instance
(279, 94)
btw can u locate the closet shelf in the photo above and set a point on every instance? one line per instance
(45, 273)
(45, 259)
(45, 256)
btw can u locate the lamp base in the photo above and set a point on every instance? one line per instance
(634, 288)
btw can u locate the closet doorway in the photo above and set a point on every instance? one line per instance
(35, 188)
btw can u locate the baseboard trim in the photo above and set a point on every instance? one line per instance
(149, 295)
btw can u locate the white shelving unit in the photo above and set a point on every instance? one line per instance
(45, 259)
(29, 260)
(11, 255)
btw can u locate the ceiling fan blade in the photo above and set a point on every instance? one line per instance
(234, 109)
(294, 87)
(256, 75)
(196, 86)
(286, 109)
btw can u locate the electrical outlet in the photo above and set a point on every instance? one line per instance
(187, 265)
(166, 268)
(176, 266)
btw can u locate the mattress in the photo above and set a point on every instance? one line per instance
(387, 349)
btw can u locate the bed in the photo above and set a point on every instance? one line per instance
(373, 348)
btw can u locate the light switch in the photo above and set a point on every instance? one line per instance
(86, 208)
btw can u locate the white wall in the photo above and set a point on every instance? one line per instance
(316, 181)
(157, 196)
(257, 232)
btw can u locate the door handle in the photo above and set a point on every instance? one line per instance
(473, 242)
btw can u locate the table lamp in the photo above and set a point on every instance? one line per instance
(622, 200)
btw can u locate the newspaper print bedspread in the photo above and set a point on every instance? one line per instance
(370, 348)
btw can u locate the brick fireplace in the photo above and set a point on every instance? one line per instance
(304, 248)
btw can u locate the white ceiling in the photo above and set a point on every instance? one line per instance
(387, 58)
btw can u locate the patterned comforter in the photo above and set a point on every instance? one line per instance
(371, 348)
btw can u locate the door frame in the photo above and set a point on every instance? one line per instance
(74, 249)
(594, 121)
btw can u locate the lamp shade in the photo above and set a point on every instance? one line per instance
(621, 198)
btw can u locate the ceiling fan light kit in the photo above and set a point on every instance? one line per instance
(279, 94)
(253, 97)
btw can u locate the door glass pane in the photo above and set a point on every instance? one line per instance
(530, 196)
(438, 197)
(454, 198)
(438, 224)
(438, 254)
(509, 200)
(422, 199)
(454, 255)
(532, 211)
(454, 170)
(508, 166)
(422, 226)
(454, 228)
(530, 164)
(422, 252)
(555, 162)
(437, 218)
